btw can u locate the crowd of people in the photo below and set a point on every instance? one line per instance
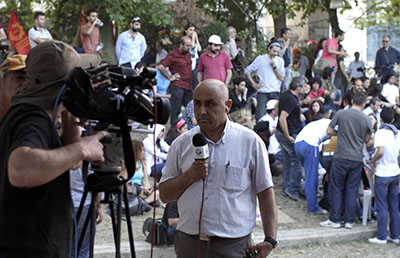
(313, 122)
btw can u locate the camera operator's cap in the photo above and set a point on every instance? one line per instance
(271, 104)
(136, 19)
(13, 63)
(215, 39)
(48, 67)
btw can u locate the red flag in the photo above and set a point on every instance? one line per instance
(18, 36)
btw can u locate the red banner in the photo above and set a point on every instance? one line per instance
(18, 36)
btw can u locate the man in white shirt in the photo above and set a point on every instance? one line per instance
(390, 90)
(270, 70)
(307, 150)
(272, 118)
(39, 33)
(387, 142)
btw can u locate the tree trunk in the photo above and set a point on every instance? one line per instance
(280, 21)
(333, 20)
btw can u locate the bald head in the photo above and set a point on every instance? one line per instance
(215, 88)
(211, 104)
(185, 44)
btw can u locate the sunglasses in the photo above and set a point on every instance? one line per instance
(385, 41)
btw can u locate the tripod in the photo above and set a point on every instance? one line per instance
(112, 184)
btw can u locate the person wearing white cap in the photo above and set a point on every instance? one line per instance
(272, 118)
(215, 64)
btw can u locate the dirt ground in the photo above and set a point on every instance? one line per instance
(298, 211)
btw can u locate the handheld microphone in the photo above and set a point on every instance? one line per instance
(200, 147)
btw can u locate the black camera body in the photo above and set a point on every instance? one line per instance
(107, 92)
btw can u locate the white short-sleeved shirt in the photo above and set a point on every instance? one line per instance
(238, 170)
(314, 133)
(262, 66)
(274, 146)
(390, 92)
(36, 33)
(387, 165)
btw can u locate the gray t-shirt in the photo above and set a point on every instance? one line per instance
(353, 125)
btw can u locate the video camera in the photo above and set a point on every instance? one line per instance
(109, 96)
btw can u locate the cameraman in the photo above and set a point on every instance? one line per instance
(37, 213)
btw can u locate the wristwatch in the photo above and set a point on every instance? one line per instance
(272, 241)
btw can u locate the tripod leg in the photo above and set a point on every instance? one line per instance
(113, 219)
(85, 225)
(128, 222)
(118, 232)
(92, 223)
(83, 200)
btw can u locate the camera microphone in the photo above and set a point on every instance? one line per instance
(200, 147)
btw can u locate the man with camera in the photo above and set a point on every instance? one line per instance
(217, 194)
(90, 34)
(37, 213)
(131, 45)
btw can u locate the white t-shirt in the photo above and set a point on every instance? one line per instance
(273, 147)
(387, 165)
(314, 133)
(390, 92)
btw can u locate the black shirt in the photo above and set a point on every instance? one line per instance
(36, 221)
(236, 103)
(290, 103)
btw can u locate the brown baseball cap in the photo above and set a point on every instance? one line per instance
(13, 63)
(48, 66)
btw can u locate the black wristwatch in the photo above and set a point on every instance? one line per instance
(272, 241)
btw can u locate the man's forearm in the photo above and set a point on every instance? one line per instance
(172, 189)
(199, 77)
(228, 76)
(269, 213)
(28, 167)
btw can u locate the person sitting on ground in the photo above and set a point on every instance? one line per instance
(316, 91)
(314, 111)
(161, 151)
(174, 131)
(238, 94)
(170, 220)
(188, 115)
(140, 180)
(390, 90)
(386, 168)
(295, 69)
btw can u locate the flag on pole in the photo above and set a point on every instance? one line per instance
(18, 36)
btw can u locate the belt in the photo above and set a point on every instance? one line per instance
(328, 153)
(208, 238)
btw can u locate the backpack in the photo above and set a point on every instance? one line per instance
(160, 231)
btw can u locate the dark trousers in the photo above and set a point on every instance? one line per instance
(179, 97)
(186, 246)
(262, 99)
(344, 180)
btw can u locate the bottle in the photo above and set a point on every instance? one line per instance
(99, 22)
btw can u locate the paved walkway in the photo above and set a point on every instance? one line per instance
(293, 237)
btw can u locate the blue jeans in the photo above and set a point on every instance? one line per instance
(386, 194)
(309, 158)
(286, 81)
(291, 174)
(160, 166)
(262, 99)
(179, 97)
(85, 248)
(344, 180)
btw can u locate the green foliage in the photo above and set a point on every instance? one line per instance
(215, 27)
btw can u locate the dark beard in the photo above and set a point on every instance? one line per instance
(134, 30)
(214, 51)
